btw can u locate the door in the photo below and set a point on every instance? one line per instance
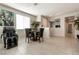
(70, 28)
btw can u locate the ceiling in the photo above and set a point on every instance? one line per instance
(46, 8)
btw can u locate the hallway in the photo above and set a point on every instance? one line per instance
(52, 46)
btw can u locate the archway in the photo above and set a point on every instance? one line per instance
(69, 27)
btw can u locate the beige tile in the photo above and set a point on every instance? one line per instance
(52, 46)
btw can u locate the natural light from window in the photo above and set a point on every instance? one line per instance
(22, 22)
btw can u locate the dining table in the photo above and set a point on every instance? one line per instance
(34, 32)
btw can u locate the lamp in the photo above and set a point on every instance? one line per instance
(38, 18)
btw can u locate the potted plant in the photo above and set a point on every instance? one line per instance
(76, 22)
(35, 25)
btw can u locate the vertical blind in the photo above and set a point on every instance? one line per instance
(22, 22)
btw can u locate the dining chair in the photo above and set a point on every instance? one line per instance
(39, 35)
(29, 34)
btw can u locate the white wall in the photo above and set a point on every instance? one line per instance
(46, 33)
(61, 31)
(58, 31)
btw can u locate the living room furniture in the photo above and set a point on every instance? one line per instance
(39, 35)
(29, 34)
(10, 37)
(34, 35)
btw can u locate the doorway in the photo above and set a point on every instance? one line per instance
(69, 26)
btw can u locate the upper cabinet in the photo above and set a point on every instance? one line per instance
(54, 23)
(57, 23)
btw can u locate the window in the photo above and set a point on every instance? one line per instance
(22, 22)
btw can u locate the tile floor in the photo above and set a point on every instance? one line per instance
(52, 46)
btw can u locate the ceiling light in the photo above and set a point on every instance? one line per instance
(35, 4)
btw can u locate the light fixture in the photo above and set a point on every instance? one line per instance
(35, 4)
(39, 18)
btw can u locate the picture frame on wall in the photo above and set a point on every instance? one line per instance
(6, 18)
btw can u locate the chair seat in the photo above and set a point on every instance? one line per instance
(9, 37)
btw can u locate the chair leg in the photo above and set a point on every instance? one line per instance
(25, 39)
(42, 40)
(28, 40)
(39, 40)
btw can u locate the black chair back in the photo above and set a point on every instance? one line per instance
(41, 32)
(10, 37)
(28, 32)
(9, 31)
